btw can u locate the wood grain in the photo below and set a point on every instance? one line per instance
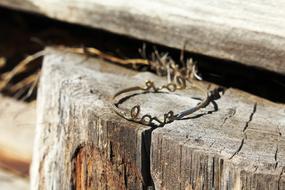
(241, 146)
(80, 142)
(251, 32)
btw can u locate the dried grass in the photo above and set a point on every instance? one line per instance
(31, 81)
(20, 68)
(95, 52)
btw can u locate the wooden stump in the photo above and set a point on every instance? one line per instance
(82, 144)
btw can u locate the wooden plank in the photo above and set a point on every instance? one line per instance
(82, 143)
(251, 32)
(17, 124)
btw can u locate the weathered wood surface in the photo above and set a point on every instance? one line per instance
(251, 32)
(241, 146)
(81, 143)
(17, 125)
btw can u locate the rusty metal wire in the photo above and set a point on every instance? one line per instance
(134, 113)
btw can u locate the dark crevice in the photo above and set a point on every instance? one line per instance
(145, 159)
(238, 150)
(262, 83)
(279, 179)
(276, 156)
(180, 164)
(23, 34)
(277, 148)
(213, 173)
(125, 176)
(250, 117)
(244, 130)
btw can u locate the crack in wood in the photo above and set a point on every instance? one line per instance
(213, 173)
(277, 147)
(276, 156)
(238, 150)
(145, 158)
(244, 130)
(279, 179)
(250, 117)
(180, 164)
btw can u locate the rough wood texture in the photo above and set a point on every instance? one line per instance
(81, 143)
(17, 125)
(251, 32)
(241, 146)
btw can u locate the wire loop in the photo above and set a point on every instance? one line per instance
(147, 119)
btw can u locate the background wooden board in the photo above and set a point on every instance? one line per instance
(251, 32)
(10, 181)
(17, 125)
(240, 145)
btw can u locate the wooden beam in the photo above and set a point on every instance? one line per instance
(252, 33)
(81, 142)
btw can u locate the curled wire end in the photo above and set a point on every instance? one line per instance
(215, 93)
